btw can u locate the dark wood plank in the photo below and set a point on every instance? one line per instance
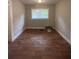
(39, 44)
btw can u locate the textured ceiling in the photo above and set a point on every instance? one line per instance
(36, 1)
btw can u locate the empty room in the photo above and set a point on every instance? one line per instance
(39, 29)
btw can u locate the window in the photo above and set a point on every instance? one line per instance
(39, 13)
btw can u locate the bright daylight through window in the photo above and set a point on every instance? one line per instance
(40, 13)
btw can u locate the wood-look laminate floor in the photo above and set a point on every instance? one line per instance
(39, 44)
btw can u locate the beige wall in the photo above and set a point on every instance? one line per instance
(63, 18)
(40, 23)
(59, 18)
(18, 18)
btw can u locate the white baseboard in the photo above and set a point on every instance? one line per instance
(41, 28)
(63, 36)
(14, 38)
(35, 28)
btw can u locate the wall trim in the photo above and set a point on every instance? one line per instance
(35, 28)
(63, 36)
(14, 38)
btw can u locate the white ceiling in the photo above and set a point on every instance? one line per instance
(36, 1)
